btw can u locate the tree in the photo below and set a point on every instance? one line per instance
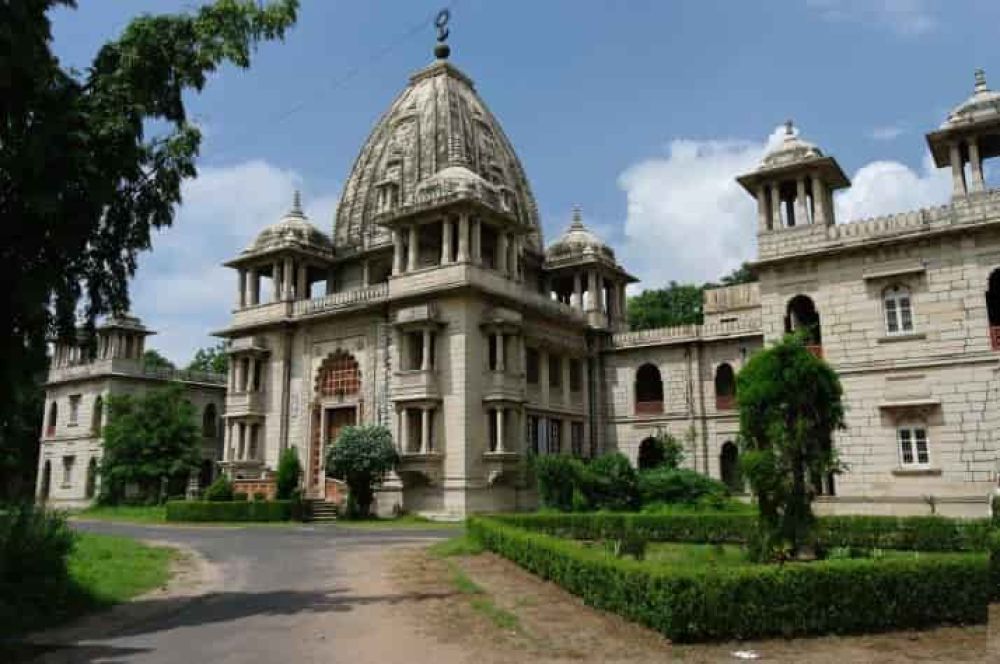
(678, 304)
(360, 457)
(289, 471)
(741, 275)
(149, 440)
(790, 405)
(152, 359)
(213, 359)
(92, 161)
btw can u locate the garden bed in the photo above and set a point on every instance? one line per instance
(734, 599)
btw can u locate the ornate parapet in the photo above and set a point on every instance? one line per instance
(746, 327)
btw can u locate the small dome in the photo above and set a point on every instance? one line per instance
(983, 104)
(578, 241)
(293, 230)
(792, 149)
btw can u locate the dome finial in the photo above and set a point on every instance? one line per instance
(980, 81)
(441, 49)
(789, 127)
(577, 217)
(297, 204)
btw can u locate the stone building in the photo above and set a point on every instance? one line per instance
(76, 393)
(434, 308)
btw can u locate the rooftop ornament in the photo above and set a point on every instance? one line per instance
(442, 50)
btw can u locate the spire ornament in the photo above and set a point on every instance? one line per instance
(441, 49)
(577, 217)
(296, 210)
(980, 81)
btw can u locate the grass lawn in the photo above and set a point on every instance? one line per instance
(129, 513)
(103, 570)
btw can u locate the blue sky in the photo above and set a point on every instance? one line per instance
(640, 111)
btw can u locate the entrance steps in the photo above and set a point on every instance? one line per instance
(322, 511)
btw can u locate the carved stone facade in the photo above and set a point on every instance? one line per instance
(444, 318)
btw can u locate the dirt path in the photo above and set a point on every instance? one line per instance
(550, 625)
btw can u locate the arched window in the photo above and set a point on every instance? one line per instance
(648, 390)
(90, 487)
(729, 467)
(801, 314)
(209, 426)
(898, 310)
(339, 375)
(50, 425)
(650, 453)
(993, 308)
(725, 387)
(97, 417)
(44, 490)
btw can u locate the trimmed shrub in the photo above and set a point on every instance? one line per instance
(558, 476)
(609, 482)
(289, 471)
(838, 596)
(994, 548)
(219, 490)
(240, 496)
(679, 485)
(258, 510)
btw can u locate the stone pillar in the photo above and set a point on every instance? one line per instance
(543, 375)
(425, 363)
(425, 430)
(463, 237)
(303, 283)
(499, 354)
(591, 291)
(275, 281)
(446, 242)
(242, 429)
(601, 304)
(801, 216)
(565, 379)
(404, 431)
(237, 373)
(287, 280)
(577, 291)
(366, 277)
(251, 374)
(241, 300)
(957, 170)
(763, 218)
(413, 253)
(502, 253)
(397, 252)
(477, 241)
(500, 431)
(253, 287)
(775, 206)
(819, 202)
(978, 184)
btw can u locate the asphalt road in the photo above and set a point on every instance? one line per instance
(277, 594)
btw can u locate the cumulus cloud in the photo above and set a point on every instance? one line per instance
(688, 220)
(181, 289)
(908, 18)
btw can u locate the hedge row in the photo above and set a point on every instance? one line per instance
(835, 596)
(869, 532)
(258, 510)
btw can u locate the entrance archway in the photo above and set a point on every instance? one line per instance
(729, 467)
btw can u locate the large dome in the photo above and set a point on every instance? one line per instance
(437, 132)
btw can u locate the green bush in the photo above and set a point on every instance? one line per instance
(994, 549)
(679, 485)
(838, 596)
(219, 490)
(558, 476)
(258, 510)
(289, 471)
(609, 482)
(240, 496)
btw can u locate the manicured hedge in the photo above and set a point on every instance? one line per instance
(836, 596)
(868, 532)
(258, 510)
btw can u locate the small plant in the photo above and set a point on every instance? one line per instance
(219, 490)
(289, 472)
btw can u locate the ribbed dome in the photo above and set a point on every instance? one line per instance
(292, 231)
(791, 149)
(437, 138)
(982, 105)
(576, 242)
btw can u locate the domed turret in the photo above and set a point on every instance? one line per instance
(576, 242)
(437, 142)
(984, 104)
(292, 231)
(792, 149)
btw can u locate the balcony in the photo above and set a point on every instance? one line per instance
(338, 301)
(995, 337)
(239, 403)
(503, 386)
(415, 384)
(648, 407)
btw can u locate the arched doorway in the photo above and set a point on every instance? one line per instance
(648, 390)
(97, 417)
(993, 308)
(729, 467)
(801, 314)
(50, 424)
(46, 487)
(725, 387)
(209, 426)
(337, 392)
(90, 487)
(650, 453)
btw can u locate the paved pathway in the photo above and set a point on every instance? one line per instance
(279, 594)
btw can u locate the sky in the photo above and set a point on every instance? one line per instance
(641, 112)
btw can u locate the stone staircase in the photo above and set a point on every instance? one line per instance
(321, 511)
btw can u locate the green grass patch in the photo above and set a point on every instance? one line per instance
(128, 513)
(463, 583)
(500, 617)
(405, 521)
(462, 545)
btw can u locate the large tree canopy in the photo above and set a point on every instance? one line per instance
(211, 360)
(92, 161)
(677, 304)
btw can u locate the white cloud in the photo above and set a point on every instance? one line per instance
(887, 132)
(909, 18)
(688, 219)
(181, 289)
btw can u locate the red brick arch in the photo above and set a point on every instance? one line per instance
(338, 376)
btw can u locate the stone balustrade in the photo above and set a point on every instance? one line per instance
(132, 367)
(685, 333)
(335, 301)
